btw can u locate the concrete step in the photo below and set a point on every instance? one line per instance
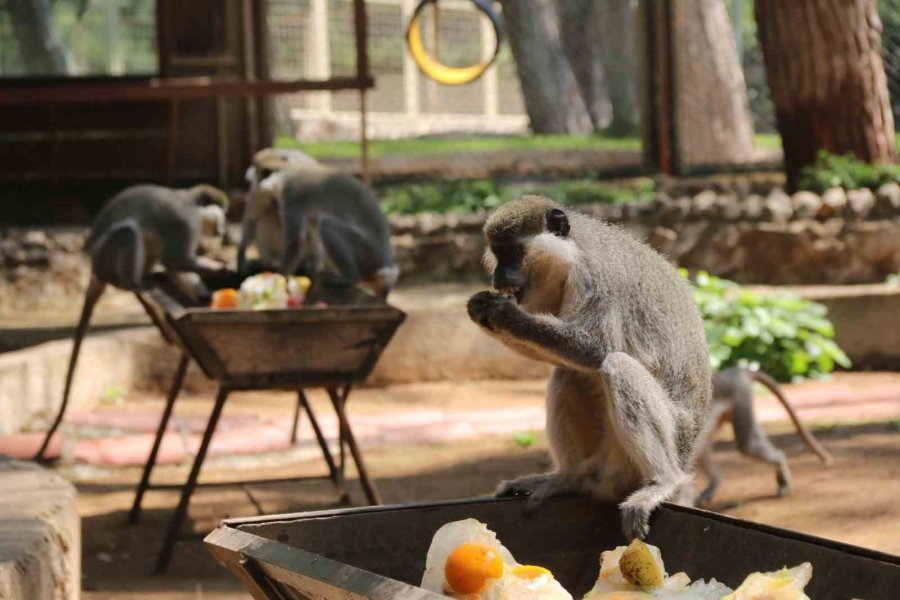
(437, 342)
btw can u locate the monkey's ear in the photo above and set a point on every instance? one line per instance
(557, 222)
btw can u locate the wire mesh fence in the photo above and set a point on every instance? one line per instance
(315, 38)
(101, 37)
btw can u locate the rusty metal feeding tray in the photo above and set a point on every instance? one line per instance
(379, 552)
(283, 348)
(280, 349)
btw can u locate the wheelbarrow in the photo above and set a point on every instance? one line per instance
(379, 552)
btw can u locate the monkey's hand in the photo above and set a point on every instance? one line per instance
(491, 310)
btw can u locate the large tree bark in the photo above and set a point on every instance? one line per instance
(40, 43)
(615, 26)
(827, 79)
(713, 119)
(552, 99)
(579, 43)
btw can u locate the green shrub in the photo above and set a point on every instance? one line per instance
(442, 197)
(590, 192)
(784, 335)
(847, 172)
(468, 196)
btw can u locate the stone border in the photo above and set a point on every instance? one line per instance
(40, 534)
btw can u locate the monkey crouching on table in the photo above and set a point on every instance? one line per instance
(143, 229)
(732, 400)
(307, 218)
(631, 387)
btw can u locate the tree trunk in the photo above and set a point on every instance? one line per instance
(615, 25)
(713, 121)
(551, 95)
(40, 45)
(827, 79)
(579, 43)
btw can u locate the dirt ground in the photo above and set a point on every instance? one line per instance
(854, 501)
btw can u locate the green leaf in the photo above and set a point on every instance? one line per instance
(524, 439)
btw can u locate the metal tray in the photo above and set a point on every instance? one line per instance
(269, 349)
(379, 552)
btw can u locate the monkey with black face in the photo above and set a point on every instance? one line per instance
(733, 401)
(313, 219)
(631, 387)
(140, 230)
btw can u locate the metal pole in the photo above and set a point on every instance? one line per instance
(177, 382)
(165, 553)
(369, 488)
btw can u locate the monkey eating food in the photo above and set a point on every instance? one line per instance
(309, 219)
(631, 387)
(733, 401)
(140, 230)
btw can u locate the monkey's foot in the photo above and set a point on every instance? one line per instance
(512, 489)
(635, 521)
(704, 500)
(784, 484)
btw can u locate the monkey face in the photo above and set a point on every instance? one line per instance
(529, 252)
(212, 221)
(271, 160)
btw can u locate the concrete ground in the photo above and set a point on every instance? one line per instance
(438, 441)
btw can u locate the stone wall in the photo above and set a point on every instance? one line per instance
(837, 237)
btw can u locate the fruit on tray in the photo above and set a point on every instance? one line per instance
(227, 298)
(262, 291)
(466, 560)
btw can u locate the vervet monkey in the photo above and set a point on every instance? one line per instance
(308, 218)
(631, 387)
(263, 225)
(140, 230)
(733, 401)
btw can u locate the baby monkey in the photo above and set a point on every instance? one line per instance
(733, 401)
(143, 229)
(631, 387)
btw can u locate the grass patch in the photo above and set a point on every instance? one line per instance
(767, 140)
(417, 146)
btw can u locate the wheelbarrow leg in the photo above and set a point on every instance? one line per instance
(177, 382)
(165, 553)
(337, 477)
(296, 424)
(338, 401)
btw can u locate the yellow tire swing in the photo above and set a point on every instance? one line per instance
(435, 69)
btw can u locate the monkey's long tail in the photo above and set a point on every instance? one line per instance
(94, 291)
(811, 442)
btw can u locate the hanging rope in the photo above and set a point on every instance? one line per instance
(438, 71)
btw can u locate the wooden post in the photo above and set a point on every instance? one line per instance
(318, 54)
(491, 86)
(360, 27)
(410, 70)
(251, 104)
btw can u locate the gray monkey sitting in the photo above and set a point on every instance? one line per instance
(140, 230)
(733, 401)
(312, 219)
(631, 387)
